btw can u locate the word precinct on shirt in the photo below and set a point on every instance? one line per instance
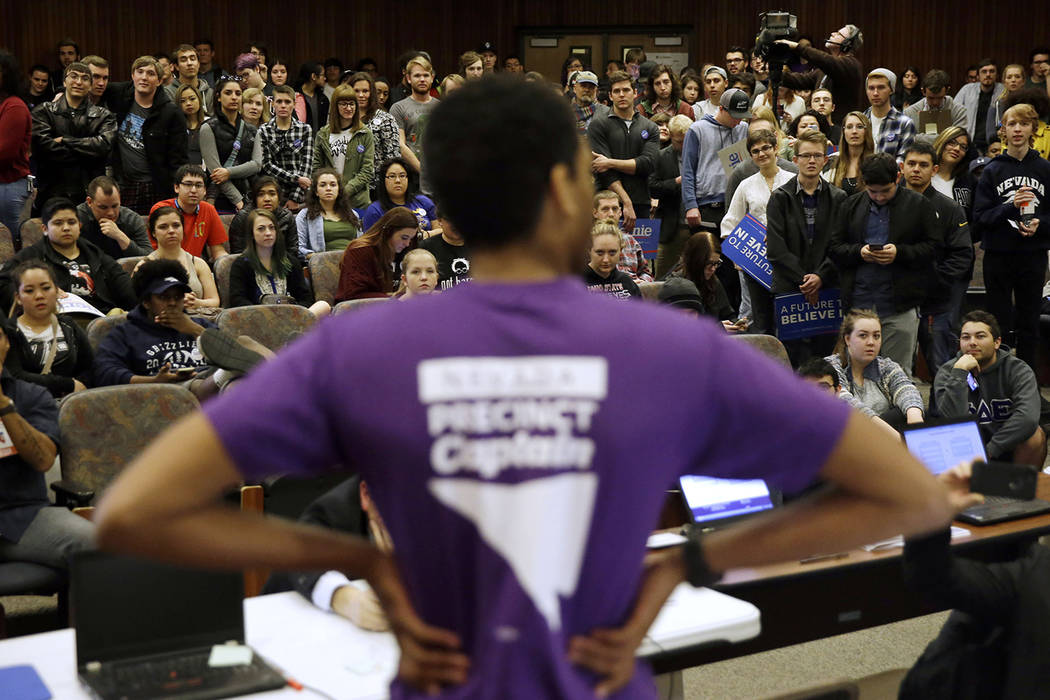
(746, 246)
(490, 414)
(797, 318)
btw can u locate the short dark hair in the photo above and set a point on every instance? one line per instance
(259, 183)
(67, 41)
(1036, 51)
(936, 80)
(1035, 97)
(922, 147)
(53, 205)
(484, 128)
(987, 62)
(190, 169)
(204, 40)
(980, 316)
(366, 61)
(619, 76)
(817, 367)
(154, 217)
(738, 49)
(748, 79)
(10, 75)
(880, 169)
(151, 270)
(39, 67)
(285, 89)
(103, 182)
(333, 61)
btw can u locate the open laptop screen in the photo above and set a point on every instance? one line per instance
(941, 446)
(127, 607)
(710, 499)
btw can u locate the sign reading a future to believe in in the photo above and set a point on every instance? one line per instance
(797, 318)
(746, 246)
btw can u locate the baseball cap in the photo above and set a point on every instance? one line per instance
(680, 292)
(737, 103)
(716, 69)
(163, 284)
(585, 76)
(887, 74)
(487, 46)
(979, 163)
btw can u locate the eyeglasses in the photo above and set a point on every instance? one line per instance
(957, 144)
(397, 176)
(760, 150)
(809, 156)
(79, 78)
(714, 265)
(346, 104)
(192, 185)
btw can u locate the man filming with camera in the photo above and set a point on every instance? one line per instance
(836, 69)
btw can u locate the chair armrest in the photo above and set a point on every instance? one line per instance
(70, 494)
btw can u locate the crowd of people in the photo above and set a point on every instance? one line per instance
(876, 186)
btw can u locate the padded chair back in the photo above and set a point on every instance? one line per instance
(129, 263)
(104, 429)
(7, 244)
(355, 304)
(100, 327)
(226, 219)
(768, 345)
(650, 290)
(273, 325)
(222, 277)
(32, 232)
(324, 274)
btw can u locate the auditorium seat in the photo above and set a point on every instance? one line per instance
(273, 325)
(25, 578)
(324, 274)
(768, 345)
(129, 263)
(222, 277)
(355, 304)
(32, 232)
(7, 244)
(100, 327)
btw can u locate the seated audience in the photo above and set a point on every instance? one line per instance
(609, 207)
(367, 268)
(818, 371)
(682, 294)
(1000, 390)
(227, 141)
(265, 194)
(874, 385)
(345, 143)
(328, 221)
(45, 348)
(347, 508)
(700, 260)
(603, 274)
(160, 343)
(166, 232)
(451, 253)
(267, 272)
(117, 231)
(419, 274)
(200, 222)
(80, 267)
(396, 190)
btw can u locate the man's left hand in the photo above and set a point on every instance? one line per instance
(600, 163)
(885, 256)
(1030, 229)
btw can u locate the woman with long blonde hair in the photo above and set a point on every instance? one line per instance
(855, 146)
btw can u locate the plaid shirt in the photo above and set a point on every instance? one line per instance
(287, 155)
(898, 131)
(632, 261)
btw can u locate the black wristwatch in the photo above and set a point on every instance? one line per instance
(697, 572)
(8, 409)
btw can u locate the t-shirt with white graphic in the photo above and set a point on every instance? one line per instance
(506, 447)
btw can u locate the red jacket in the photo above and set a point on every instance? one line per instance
(360, 276)
(15, 130)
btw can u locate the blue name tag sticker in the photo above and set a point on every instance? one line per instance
(360, 148)
(237, 144)
(645, 133)
(298, 143)
(971, 382)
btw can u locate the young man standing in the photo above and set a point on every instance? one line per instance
(736, 60)
(39, 86)
(1010, 202)
(1039, 62)
(489, 57)
(891, 130)
(837, 69)
(411, 115)
(68, 52)
(703, 177)
(987, 382)
(935, 86)
(715, 83)
(208, 70)
(151, 136)
(188, 67)
(822, 101)
(489, 449)
(201, 224)
(99, 68)
(625, 145)
(285, 148)
(980, 99)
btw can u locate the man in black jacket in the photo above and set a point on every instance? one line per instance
(939, 329)
(72, 139)
(837, 69)
(151, 136)
(665, 185)
(800, 215)
(118, 231)
(625, 146)
(883, 242)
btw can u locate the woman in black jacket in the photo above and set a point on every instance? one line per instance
(46, 348)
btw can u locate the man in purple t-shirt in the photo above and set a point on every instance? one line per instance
(515, 445)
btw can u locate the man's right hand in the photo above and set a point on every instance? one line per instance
(957, 481)
(967, 363)
(692, 217)
(110, 229)
(165, 375)
(1023, 196)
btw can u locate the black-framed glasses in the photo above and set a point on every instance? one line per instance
(193, 185)
(715, 264)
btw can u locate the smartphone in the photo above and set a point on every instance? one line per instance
(875, 246)
(1004, 479)
(185, 372)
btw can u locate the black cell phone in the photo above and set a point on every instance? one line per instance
(875, 246)
(1004, 479)
(185, 372)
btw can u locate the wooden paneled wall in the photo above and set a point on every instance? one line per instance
(934, 33)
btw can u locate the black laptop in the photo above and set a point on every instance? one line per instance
(940, 445)
(146, 630)
(713, 503)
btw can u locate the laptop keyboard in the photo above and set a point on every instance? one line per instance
(178, 676)
(995, 507)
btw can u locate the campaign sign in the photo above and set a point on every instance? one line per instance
(797, 318)
(647, 233)
(746, 246)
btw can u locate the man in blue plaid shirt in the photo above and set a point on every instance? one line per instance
(287, 149)
(893, 132)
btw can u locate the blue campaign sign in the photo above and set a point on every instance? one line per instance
(797, 318)
(647, 233)
(746, 246)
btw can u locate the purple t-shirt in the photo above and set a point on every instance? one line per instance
(518, 440)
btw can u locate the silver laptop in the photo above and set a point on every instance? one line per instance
(713, 503)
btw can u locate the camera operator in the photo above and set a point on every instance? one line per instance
(836, 69)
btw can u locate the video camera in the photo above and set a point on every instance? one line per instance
(774, 26)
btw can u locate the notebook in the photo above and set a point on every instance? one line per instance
(714, 503)
(940, 445)
(149, 630)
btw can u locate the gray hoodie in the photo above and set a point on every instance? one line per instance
(1005, 403)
